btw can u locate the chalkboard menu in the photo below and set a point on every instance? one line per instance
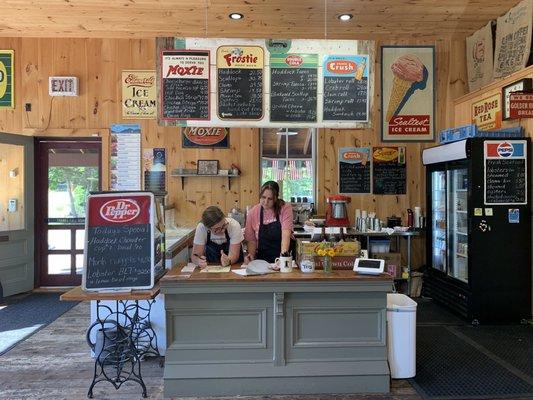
(119, 242)
(345, 88)
(505, 172)
(185, 84)
(240, 82)
(354, 170)
(293, 88)
(388, 170)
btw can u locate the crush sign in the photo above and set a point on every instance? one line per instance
(119, 236)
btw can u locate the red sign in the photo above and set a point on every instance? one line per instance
(294, 61)
(409, 125)
(112, 210)
(201, 136)
(341, 66)
(521, 105)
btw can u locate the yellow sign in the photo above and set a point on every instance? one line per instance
(139, 95)
(7, 84)
(487, 113)
(242, 57)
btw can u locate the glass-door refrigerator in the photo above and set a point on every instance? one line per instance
(479, 236)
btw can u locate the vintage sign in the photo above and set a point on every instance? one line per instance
(479, 57)
(521, 105)
(487, 113)
(408, 93)
(240, 82)
(139, 95)
(62, 86)
(7, 86)
(355, 164)
(202, 137)
(513, 39)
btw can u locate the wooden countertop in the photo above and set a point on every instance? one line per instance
(78, 294)
(174, 275)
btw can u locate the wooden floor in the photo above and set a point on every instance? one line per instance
(55, 363)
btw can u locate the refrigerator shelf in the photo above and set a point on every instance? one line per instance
(462, 255)
(461, 233)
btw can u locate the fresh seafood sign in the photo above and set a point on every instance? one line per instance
(407, 100)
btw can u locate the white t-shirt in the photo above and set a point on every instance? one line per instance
(234, 231)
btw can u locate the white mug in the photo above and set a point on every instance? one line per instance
(284, 263)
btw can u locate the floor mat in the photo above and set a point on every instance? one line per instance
(511, 343)
(21, 316)
(430, 313)
(448, 367)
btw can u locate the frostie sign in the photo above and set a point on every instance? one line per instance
(407, 98)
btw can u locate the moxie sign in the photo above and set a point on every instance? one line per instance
(521, 105)
(487, 113)
(194, 137)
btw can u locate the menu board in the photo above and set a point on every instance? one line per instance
(293, 87)
(505, 171)
(185, 84)
(388, 170)
(354, 170)
(119, 242)
(240, 82)
(345, 88)
(125, 157)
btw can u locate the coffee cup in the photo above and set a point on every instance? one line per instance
(284, 263)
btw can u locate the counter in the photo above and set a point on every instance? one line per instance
(282, 333)
(176, 242)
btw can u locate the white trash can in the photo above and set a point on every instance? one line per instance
(401, 335)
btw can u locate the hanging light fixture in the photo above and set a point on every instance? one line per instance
(286, 132)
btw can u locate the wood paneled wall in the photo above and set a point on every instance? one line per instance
(11, 159)
(98, 64)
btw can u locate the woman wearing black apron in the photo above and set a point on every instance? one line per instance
(217, 239)
(268, 225)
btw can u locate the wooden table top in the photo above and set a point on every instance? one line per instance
(78, 294)
(175, 275)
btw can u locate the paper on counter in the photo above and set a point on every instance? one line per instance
(189, 268)
(216, 269)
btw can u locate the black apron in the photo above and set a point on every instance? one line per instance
(269, 239)
(212, 249)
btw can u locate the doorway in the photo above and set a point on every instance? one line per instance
(67, 170)
(16, 214)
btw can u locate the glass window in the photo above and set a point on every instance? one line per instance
(59, 239)
(72, 174)
(80, 239)
(288, 157)
(12, 184)
(59, 264)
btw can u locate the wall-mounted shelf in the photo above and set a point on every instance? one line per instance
(183, 176)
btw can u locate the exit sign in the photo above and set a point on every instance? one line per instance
(63, 86)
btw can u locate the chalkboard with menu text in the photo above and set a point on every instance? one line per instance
(240, 82)
(388, 170)
(505, 172)
(345, 88)
(293, 88)
(185, 84)
(354, 170)
(119, 242)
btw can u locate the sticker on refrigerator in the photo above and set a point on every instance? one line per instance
(488, 212)
(514, 216)
(478, 212)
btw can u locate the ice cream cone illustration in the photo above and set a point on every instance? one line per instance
(407, 70)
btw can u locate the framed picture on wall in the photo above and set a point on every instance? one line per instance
(523, 85)
(207, 167)
(407, 93)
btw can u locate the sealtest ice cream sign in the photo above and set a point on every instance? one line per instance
(408, 103)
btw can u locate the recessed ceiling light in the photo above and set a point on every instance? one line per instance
(236, 16)
(345, 17)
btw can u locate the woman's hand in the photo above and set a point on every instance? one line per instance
(201, 261)
(225, 260)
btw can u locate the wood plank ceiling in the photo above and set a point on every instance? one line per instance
(314, 19)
